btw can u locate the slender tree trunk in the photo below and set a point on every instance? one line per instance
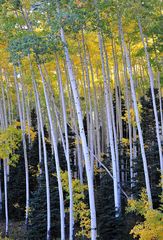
(160, 102)
(4, 123)
(117, 93)
(41, 130)
(5, 114)
(79, 149)
(75, 128)
(1, 125)
(151, 77)
(134, 147)
(110, 130)
(83, 137)
(6, 195)
(127, 103)
(114, 127)
(3, 120)
(148, 188)
(91, 144)
(27, 108)
(71, 218)
(97, 133)
(0, 189)
(54, 141)
(39, 142)
(159, 87)
(24, 148)
(45, 166)
(8, 99)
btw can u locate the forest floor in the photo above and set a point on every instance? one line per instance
(16, 230)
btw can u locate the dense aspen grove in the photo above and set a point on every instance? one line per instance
(81, 119)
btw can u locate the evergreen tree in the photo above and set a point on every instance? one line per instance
(151, 146)
(109, 226)
(16, 188)
(37, 226)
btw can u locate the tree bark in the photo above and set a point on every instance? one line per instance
(83, 137)
(147, 182)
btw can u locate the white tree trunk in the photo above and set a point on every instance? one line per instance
(114, 127)
(148, 188)
(110, 130)
(151, 77)
(6, 195)
(160, 102)
(71, 218)
(0, 190)
(24, 147)
(5, 162)
(83, 137)
(90, 126)
(97, 133)
(127, 103)
(3, 120)
(41, 134)
(54, 142)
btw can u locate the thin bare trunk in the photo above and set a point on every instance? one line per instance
(83, 137)
(54, 142)
(22, 122)
(148, 188)
(151, 77)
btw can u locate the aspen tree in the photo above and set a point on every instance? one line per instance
(65, 141)
(71, 219)
(82, 135)
(54, 142)
(110, 129)
(127, 103)
(42, 136)
(0, 190)
(151, 77)
(22, 122)
(4, 124)
(148, 188)
(90, 120)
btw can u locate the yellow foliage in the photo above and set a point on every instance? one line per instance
(96, 169)
(125, 141)
(29, 130)
(80, 207)
(152, 227)
(77, 141)
(10, 139)
(132, 115)
(4, 238)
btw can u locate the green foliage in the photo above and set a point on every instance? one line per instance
(109, 227)
(34, 27)
(38, 208)
(24, 45)
(2, 1)
(16, 4)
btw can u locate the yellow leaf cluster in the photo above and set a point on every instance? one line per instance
(28, 130)
(80, 207)
(10, 139)
(132, 115)
(152, 227)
